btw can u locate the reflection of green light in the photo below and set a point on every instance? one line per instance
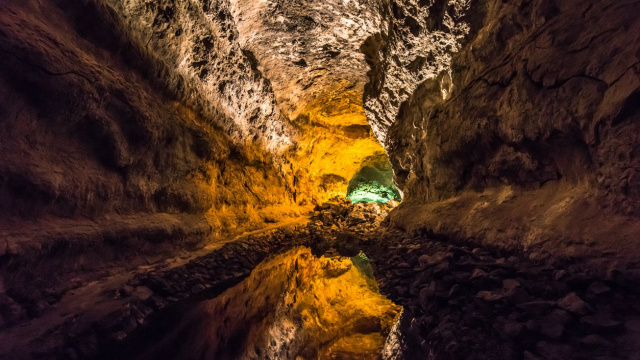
(373, 191)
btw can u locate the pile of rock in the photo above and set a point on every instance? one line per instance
(339, 227)
(464, 302)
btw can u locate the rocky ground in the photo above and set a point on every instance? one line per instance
(466, 302)
(460, 301)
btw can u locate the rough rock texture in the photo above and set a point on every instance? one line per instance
(544, 106)
(196, 43)
(465, 302)
(310, 52)
(415, 42)
(102, 160)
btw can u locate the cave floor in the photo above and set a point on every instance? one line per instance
(460, 299)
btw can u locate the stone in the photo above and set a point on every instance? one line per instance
(633, 324)
(513, 329)
(454, 291)
(554, 351)
(601, 322)
(559, 274)
(10, 311)
(442, 267)
(435, 259)
(536, 308)
(141, 293)
(126, 290)
(510, 284)
(527, 355)
(598, 288)
(38, 309)
(479, 273)
(595, 340)
(355, 219)
(491, 296)
(573, 303)
(197, 288)
(553, 324)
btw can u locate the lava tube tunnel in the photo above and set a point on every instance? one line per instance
(319, 180)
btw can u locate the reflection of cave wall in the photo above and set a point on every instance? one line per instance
(373, 182)
(292, 306)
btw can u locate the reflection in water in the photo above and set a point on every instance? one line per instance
(293, 306)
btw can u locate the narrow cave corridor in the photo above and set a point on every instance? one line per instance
(319, 179)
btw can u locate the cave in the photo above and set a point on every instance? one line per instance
(373, 183)
(319, 179)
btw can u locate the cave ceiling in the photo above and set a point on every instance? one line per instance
(325, 72)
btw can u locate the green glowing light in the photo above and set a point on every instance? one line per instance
(373, 191)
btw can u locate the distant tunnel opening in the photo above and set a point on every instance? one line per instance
(374, 183)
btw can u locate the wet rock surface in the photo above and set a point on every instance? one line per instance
(466, 302)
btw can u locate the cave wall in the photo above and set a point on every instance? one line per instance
(196, 43)
(106, 143)
(415, 42)
(541, 103)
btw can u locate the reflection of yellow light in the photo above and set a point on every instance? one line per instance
(335, 141)
(317, 306)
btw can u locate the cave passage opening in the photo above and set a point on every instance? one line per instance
(374, 183)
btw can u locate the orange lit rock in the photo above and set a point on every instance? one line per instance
(294, 306)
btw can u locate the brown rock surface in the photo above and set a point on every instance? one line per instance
(536, 145)
(105, 157)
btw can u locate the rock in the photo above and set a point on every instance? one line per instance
(38, 309)
(426, 294)
(141, 293)
(536, 308)
(527, 355)
(479, 273)
(70, 354)
(431, 260)
(598, 288)
(455, 290)
(10, 311)
(510, 284)
(595, 340)
(554, 351)
(327, 219)
(197, 288)
(491, 296)
(573, 303)
(126, 290)
(553, 324)
(532, 325)
(600, 322)
(513, 329)
(440, 268)
(356, 218)
(633, 324)
(559, 274)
